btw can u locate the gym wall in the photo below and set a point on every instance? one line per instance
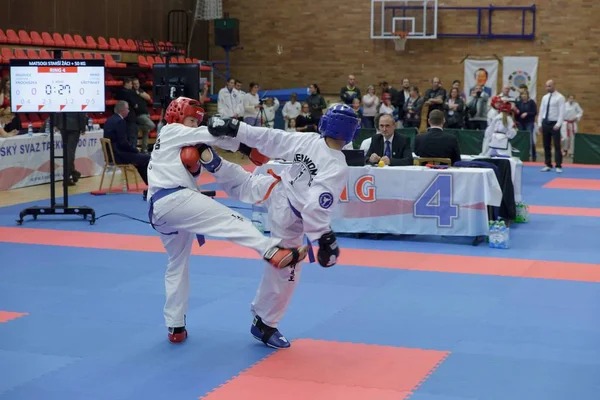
(324, 41)
(122, 18)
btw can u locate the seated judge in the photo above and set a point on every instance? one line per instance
(115, 129)
(390, 147)
(435, 142)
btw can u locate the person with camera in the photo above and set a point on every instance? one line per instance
(478, 108)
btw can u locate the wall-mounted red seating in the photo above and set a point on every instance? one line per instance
(91, 42)
(102, 43)
(47, 38)
(24, 38)
(79, 42)
(58, 40)
(36, 39)
(12, 36)
(32, 54)
(69, 42)
(3, 38)
(113, 44)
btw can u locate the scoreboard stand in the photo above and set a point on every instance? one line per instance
(54, 208)
(70, 86)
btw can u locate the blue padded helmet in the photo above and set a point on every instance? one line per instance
(339, 122)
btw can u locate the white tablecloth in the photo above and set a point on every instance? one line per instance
(25, 160)
(516, 168)
(411, 200)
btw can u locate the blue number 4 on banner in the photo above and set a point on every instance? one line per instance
(436, 202)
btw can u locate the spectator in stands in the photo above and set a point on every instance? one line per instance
(357, 107)
(456, 84)
(316, 103)
(550, 120)
(270, 107)
(478, 109)
(15, 122)
(370, 103)
(386, 108)
(412, 109)
(526, 119)
(350, 92)
(572, 116)
(291, 125)
(71, 126)
(387, 88)
(435, 96)
(454, 108)
(238, 87)
(229, 101)
(390, 147)
(305, 122)
(436, 143)
(252, 107)
(5, 118)
(115, 129)
(130, 96)
(291, 109)
(143, 119)
(401, 98)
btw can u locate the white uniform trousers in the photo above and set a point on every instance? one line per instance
(277, 285)
(191, 213)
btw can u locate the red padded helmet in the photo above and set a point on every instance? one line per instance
(496, 102)
(183, 107)
(505, 107)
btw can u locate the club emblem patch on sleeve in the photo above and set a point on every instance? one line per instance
(326, 200)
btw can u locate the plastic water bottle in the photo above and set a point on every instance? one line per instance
(30, 129)
(90, 125)
(47, 127)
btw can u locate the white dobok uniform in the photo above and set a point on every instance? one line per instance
(298, 204)
(572, 115)
(189, 213)
(498, 136)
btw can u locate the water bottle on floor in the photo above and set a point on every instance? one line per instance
(30, 129)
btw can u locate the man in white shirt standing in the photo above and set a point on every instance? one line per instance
(550, 119)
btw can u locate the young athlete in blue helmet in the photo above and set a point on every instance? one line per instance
(299, 202)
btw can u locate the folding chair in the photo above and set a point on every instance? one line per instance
(107, 149)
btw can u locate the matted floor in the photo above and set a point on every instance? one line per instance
(415, 317)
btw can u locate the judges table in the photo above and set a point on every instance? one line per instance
(410, 200)
(25, 160)
(516, 168)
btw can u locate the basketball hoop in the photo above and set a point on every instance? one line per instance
(400, 40)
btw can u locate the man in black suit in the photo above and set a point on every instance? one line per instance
(115, 129)
(435, 142)
(129, 95)
(390, 147)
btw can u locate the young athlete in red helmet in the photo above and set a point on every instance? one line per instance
(179, 212)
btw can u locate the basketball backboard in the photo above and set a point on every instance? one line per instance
(417, 17)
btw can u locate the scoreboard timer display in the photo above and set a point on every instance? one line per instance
(48, 86)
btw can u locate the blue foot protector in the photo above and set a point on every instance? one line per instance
(268, 335)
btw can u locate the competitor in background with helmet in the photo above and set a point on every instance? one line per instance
(178, 211)
(299, 202)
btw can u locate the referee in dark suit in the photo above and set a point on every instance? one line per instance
(436, 143)
(550, 119)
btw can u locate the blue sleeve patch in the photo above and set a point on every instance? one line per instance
(326, 200)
